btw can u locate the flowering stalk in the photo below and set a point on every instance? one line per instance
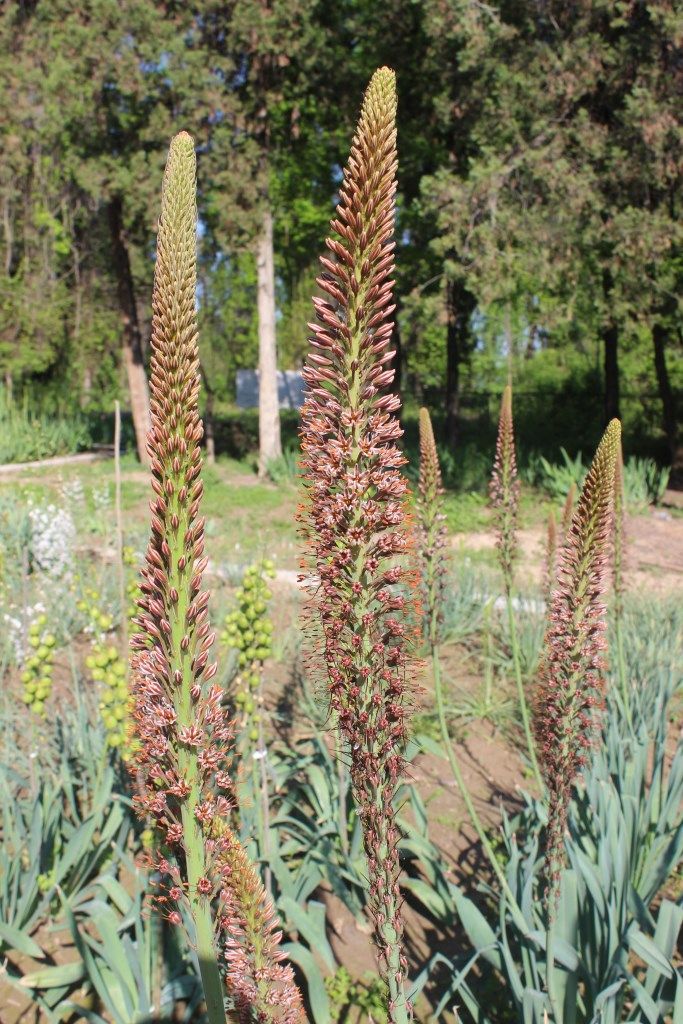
(504, 490)
(572, 674)
(431, 529)
(504, 493)
(185, 740)
(618, 577)
(353, 519)
(550, 558)
(568, 510)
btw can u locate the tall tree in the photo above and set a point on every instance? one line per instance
(568, 190)
(264, 57)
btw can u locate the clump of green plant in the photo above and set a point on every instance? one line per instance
(38, 666)
(366, 996)
(249, 631)
(644, 481)
(26, 435)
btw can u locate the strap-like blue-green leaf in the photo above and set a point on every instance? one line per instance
(17, 939)
(309, 921)
(315, 986)
(55, 977)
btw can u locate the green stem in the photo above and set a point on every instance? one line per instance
(488, 665)
(398, 1012)
(523, 707)
(550, 968)
(621, 667)
(341, 782)
(515, 909)
(264, 822)
(200, 908)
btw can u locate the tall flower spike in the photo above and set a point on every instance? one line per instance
(185, 740)
(568, 510)
(353, 519)
(618, 537)
(431, 528)
(504, 490)
(550, 558)
(571, 683)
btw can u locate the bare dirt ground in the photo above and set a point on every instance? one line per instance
(654, 551)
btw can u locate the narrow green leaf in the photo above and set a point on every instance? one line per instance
(55, 977)
(19, 940)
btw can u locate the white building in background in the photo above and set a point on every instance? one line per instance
(290, 389)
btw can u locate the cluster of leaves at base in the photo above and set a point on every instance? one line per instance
(38, 668)
(369, 997)
(249, 631)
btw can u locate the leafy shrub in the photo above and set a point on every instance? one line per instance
(285, 469)
(644, 481)
(26, 436)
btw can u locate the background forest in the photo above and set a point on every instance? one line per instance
(539, 193)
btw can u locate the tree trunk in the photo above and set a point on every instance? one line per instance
(669, 414)
(270, 444)
(458, 309)
(209, 428)
(132, 339)
(86, 386)
(610, 339)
